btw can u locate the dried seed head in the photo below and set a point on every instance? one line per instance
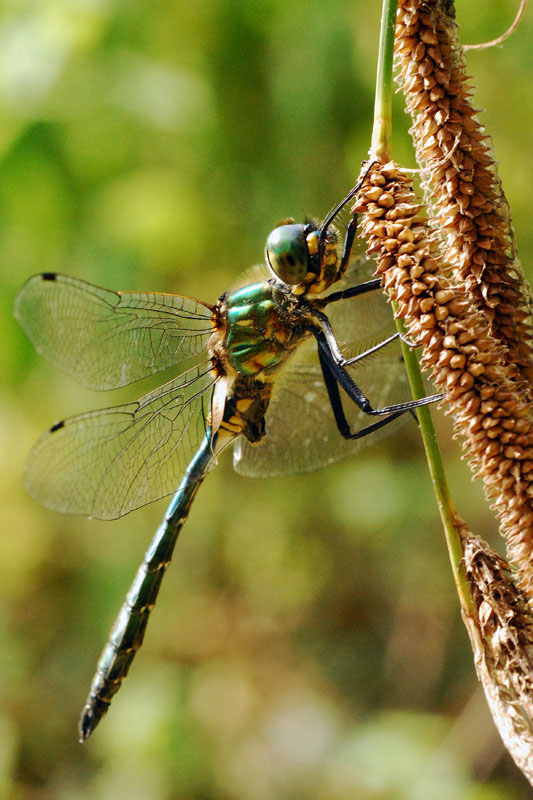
(492, 412)
(500, 626)
(462, 188)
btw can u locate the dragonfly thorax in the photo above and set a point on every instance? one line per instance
(259, 325)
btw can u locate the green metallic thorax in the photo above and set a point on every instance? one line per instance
(264, 323)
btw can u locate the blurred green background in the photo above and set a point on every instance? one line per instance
(307, 642)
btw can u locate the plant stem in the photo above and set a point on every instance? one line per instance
(382, 131)
(451, 521)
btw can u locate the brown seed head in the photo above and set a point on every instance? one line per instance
(500, 626)
(462, 188)
(492, 412)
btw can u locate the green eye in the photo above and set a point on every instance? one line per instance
(287, 253)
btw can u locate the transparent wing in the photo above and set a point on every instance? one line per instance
(301, 433)
(106, 463)
(360, 322)
(108, 339)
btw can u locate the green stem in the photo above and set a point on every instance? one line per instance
(382, 131)
(381, 151)
(451, 522)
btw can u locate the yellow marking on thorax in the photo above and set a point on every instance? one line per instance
(244, 404)
(232, 427)
(318, 287)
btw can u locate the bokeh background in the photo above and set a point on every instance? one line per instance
(307, 642)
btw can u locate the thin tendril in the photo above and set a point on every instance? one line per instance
(504, 36)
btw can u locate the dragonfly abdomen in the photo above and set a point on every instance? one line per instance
(128, 630)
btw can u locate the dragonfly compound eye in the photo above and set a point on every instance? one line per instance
(287, 253)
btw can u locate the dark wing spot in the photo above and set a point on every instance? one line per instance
(49, 276)
(57, 426)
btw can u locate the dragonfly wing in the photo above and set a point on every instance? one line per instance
(109, 339)
(359, 322)
(301, 433)
(106, 463)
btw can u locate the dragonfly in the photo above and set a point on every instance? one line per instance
(261, 368)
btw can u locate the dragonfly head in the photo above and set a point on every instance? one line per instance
(292, 252)
(287, 254)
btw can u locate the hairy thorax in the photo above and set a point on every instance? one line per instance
(256, 328)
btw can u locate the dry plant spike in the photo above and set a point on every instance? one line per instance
(491, 411)
(500, 627)
(460, 181)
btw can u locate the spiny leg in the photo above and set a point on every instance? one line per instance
(352, 226)
(351, 194)
(329, 356)
(354, 291)
(349, 237)
(348, 362)
(334, 347)
(338, 411)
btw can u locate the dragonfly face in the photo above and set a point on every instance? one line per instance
(304, 257)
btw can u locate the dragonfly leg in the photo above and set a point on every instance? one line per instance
(405, 339)
(354, 291)
(351, 230)
(348, 362)
(338, 411)
(363, 288)
(332, 361)
(351, 194)
(334, 347)
(352, 227)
